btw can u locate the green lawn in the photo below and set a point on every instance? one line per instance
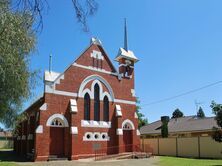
(7, 164)
(176, 161)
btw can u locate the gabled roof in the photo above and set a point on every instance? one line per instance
(37, 102)
(53, 76)
(184, 124)
(5, 134)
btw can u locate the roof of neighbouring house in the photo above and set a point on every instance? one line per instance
(183, 124)
(5, 134)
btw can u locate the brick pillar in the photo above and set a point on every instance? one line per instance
(75, 146)
(119, 133)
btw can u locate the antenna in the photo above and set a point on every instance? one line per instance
(197, 104)
(125, 37)
(50, 63)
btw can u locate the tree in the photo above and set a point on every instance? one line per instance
(200, 113)
(141, 120)
(17, 41)
(177, 113)
(19, 22)
(83, 9)
(1, 129)
(217, 110)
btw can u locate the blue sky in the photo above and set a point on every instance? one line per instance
(179, 44)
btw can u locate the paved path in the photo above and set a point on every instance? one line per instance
(129, 162)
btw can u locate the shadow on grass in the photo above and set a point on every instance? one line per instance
(11, 156)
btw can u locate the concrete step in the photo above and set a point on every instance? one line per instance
(56, 158)
(113, 156)
(140, 155)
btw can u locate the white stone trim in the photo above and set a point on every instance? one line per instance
(50, 89)
(119, 131)
(59, 116)
(96, 79)
(127, 121)
(92, 136)
(97, 55)
(126, 65)
(64, 93)
(73, 106)
(97, 124)
(57, 80)
(94, 69)
(133, 92)
(135, 115)
(23, 137)
(137, 132)
(100, 87)
(105, 94)
(43, 107)
(118, 111)
(89, 92)
(73, 109)
(39, 129)
(30, 137)
(73, 102)
(74, 130)
(124, 101)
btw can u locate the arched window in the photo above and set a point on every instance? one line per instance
(57, 122)
(96, 103)
(106, 109)
(86, 107)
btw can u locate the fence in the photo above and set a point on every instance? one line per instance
(115, 151)
(195, 147)
(6, 144)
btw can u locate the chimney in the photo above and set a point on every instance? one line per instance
(164, 127)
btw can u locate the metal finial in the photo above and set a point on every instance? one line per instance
(125, 37)
(50, 63)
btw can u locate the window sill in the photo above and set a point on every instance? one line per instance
(92, 123)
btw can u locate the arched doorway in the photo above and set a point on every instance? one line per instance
(57, 124)
(128, 128)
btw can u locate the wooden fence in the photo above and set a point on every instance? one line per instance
(195, 147)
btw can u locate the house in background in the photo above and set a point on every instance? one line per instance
(6, 139)
(188, 126)
(89, 106)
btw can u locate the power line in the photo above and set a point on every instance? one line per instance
(182, 94)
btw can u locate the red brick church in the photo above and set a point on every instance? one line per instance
(91, 105)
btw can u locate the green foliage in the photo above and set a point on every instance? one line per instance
(17, 41)
(177, 113)
(217, 110)
(141, 118)
(18, 119)
(200, 113)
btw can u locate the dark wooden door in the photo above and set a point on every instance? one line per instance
(128, 140)
(57, 141)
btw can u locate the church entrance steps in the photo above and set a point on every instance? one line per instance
(56, 158)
